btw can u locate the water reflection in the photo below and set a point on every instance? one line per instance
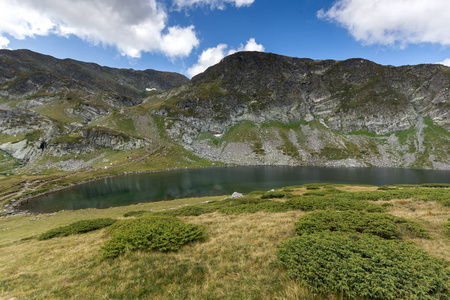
(129, 189)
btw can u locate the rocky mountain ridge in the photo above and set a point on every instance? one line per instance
(261, 87)
(251, 108)
(350, 113)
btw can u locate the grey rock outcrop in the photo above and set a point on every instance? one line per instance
(333, 99)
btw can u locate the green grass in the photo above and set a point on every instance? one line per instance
(441, 195)
(35, 135)
(57, 110)
(68, 138)
(242, 132)
(8, 163)
(278, 124)
(159, 121)
(236, 260)
(82, 226)
(366, 133)
(405, 136)
(288, 147)
(11, 138)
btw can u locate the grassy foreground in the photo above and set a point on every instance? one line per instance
(237, 260)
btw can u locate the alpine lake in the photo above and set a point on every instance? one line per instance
(185, 183)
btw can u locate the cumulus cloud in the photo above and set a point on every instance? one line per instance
(212, 56)
(445, 62)
(132, 27)
(209, 57)
(393, 22)
(4, 42)
(219, 4)
(250, 46)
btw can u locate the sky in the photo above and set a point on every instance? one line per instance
(187, 36)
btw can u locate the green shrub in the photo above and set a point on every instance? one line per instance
(275, 194)
(387, 188)
(323, 192)
(135, 213)
(227, 206)
(194, 210)
(317, 186)
(387, 204)
(436, 185)
(382, 225)
(362, 265)
(256, 193)
(78, 227)
(310, 203)
(313, 187)
(441, 195)
(150, 233)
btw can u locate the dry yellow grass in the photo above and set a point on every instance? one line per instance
(356, 188)
(22, 226)
(433, 216)
(237, 261)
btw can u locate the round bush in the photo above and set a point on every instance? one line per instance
(135, 213)
(362, 265)
(382, 225)
(150, 233)
(314, 202)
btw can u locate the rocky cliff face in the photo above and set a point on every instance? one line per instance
(251, 108)
(300, 111)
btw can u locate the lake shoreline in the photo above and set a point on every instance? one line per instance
(217, 180)
(15, 206)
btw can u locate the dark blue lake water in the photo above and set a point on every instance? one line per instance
(136, 188)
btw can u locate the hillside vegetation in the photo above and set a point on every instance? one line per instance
(389, 242)
(251, 108)
(64, 121)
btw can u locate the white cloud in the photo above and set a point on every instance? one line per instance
(209, 57)
(445, 62)
(132, 27)
(4, 42)
(252, 46)
(393, 22)
(212, 56)
(219, 4)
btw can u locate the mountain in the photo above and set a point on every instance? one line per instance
(35, 77)
(251, 108)
(262, 108)
(48, 107)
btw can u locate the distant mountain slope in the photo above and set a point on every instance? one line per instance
(51, 110)
(351, 113)
(24, 73)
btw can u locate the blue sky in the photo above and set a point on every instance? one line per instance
(186, 36)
